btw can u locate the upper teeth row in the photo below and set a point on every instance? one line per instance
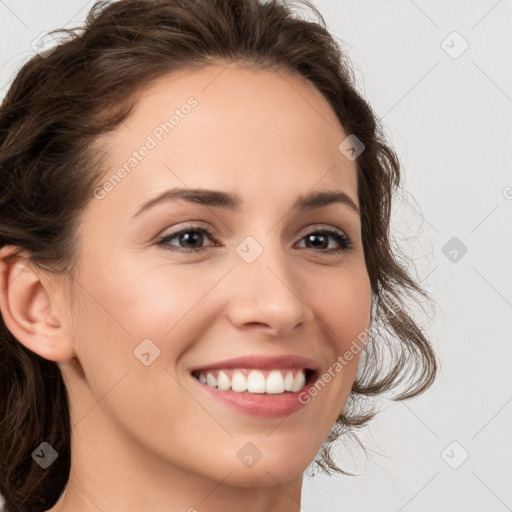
(255, 381)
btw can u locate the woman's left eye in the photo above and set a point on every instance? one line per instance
(193, 235)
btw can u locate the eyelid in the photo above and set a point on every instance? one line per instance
(190, 227)
(321, 227)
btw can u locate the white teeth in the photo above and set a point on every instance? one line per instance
(288, 381)
(298, 381)
(254, 381)
(238, 382)
(211, 380)
(223, 382)
(275, 382)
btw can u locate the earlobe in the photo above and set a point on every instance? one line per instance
(27, 309)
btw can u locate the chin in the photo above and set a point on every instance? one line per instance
(264, 475)
(277, 466)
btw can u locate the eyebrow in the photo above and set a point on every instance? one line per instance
(232, 201)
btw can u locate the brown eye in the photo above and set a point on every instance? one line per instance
(190, 237)
(319, 240)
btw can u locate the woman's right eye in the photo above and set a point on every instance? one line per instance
(198, 236)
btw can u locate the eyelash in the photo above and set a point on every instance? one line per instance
(340, 237)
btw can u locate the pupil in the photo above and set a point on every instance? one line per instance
(316, 237)
(188, 238)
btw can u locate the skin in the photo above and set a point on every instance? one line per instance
(148, 437)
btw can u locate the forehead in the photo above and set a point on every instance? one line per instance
(264, 133)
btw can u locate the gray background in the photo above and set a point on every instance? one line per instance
(449, 118)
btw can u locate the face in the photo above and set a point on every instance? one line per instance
(259, 292)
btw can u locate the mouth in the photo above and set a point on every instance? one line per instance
(256, 380)
(263, 386)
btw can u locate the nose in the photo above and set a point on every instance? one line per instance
(267, 292)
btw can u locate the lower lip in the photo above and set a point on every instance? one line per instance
(258, 404)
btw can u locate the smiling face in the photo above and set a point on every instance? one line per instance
(160, 318)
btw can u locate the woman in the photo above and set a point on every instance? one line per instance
(195, 253)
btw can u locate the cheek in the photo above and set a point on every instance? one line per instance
(121, 320)
(127, 312)
(346, 308)
(344, 313)
(137, 301)
(155, 299)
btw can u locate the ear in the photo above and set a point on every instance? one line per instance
(28, 311)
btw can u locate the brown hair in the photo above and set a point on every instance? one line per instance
(58, 105)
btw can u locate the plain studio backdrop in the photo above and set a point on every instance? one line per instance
(439, 76)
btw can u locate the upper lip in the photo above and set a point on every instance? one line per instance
(262, 362)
